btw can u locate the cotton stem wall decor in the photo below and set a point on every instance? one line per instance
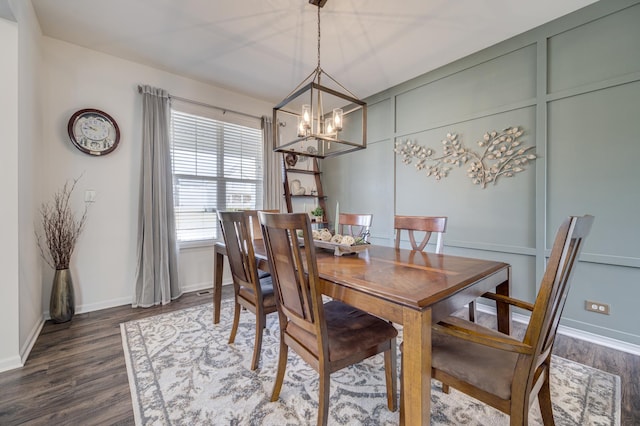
(502, 154)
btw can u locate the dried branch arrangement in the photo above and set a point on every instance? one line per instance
(503, 155)
(60, 228)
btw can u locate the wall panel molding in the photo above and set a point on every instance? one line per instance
(594, 87)
(586, 140)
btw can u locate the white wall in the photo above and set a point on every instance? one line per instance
(9, 194)
(20, 108)
(29, 176)
(104, 263)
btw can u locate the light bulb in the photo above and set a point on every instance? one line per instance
(329, 126)
(337, 119)
(306, 116)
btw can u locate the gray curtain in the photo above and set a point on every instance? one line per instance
(272, 179)
(157, 274)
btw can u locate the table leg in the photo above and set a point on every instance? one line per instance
(217, 284)
(416, 366)
(503, 310)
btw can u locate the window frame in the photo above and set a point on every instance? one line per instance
(219, 119)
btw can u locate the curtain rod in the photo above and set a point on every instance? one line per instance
(224, 110)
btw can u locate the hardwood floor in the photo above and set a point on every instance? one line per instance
(76, 372)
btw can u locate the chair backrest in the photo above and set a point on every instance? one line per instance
(254, 223)
(239, 244)
(426, 224)
(294, 272)
(547, 309)
(356, 225)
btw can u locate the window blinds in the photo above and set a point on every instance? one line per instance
(217, 165)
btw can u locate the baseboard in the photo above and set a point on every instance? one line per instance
(83, 309)
(607, 342)
(198, 287)
(10, 363)
(18, 361)
(31, 340)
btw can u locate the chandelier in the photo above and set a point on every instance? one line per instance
(320, 117)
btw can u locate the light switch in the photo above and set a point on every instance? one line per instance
(90, 196)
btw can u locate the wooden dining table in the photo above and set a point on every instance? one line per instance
(412, 288)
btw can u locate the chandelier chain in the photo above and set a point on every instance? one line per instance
(318, 37)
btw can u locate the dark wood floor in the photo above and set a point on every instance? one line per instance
(76, 372)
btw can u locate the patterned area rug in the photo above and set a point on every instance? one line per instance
(183, 372)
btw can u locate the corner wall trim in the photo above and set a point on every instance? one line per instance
(31, 341)
(10, 363)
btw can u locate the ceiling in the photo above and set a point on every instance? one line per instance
(264, 48)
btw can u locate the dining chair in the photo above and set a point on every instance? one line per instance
(428, 225)
(250, 291)
(425, 224)
(502, 371)
(254, 222)
(328, 336)
(356, 225)
(256, 232)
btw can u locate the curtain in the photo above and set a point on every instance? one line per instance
(157, 273)
(272, 179)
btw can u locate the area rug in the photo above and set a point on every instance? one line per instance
(182, 372)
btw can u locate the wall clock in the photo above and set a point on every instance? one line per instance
(93, 132)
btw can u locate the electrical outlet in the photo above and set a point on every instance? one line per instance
(601, 308)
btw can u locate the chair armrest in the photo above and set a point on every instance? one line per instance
(510, 300)
(502, 343)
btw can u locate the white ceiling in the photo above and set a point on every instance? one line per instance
(264, 48)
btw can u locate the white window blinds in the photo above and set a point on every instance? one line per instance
(217, 165)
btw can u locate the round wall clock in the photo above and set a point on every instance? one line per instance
(93, 132)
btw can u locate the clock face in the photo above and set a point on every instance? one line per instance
(93, 132)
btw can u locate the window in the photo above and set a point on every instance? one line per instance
(217, 164)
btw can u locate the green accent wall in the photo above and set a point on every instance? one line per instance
(573, 85)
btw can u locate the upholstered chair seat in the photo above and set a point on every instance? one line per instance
(349, 330)
(462, 358)
(266, 285)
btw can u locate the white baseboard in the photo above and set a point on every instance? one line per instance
(199, 286)
(31, 340)
(10, 363)
(18, 361)
(81, 309)
(608, 342)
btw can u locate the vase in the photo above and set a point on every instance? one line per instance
(62, 303)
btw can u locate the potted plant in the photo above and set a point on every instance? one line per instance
(318, 212)
(60, 231)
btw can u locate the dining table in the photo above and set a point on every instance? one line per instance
(412, 288)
